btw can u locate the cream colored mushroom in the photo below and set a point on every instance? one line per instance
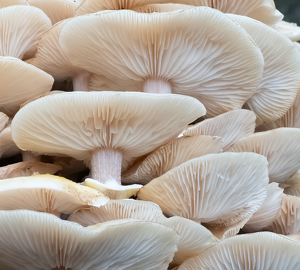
(290, 30)
(7, 3)
(8, 147)
(3, 120)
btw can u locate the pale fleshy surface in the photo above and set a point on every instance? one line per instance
(7, 146)
(231, 127)
(290, 30)
(281, 79)
(171, 155)
(161, 8)
(20, 82)
(75, 124)
(293, 190)
(202, 60)
(127, 244)
(47, 193)
(252, 251)
(7, 3)
(194, 238)
(281, 153)
(56, 10)
(22, 27)
(220, 190)
(3, 120)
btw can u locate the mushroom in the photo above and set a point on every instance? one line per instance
(194, 238)
(47, 193)
(56, 10)
(8, 147)
(109, 130)
(169, 156)
(290, 30)
(282, 153)
(231, 127)
(220, 190)
(3, 120)
(21, 28)
(7, 3)
(31, 240)
(263, 250)
(150, 8)
(211, 58)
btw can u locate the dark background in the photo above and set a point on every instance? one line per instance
(290, 9)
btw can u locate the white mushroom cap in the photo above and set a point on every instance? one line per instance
(21, 28)
(281, 79)
(20, 82)
(290, 30)
(194, 238)
(250, 251)
(166, 59)
(56, 10)
(3, 120)
(7, 3)
(8, 147)
(32, 241)
(47, 193)
(231, 127)
(281, 153)
(171, 155)
(221, 190)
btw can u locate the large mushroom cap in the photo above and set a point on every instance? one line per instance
(221, 190)
(77, 123)
(281, 79)
(252, 251)
(20, 82)
(32, 241)
(211, 58)
(21, 28)
(282, 153)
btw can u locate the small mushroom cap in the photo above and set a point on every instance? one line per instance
(221, 190)
(19, 82)
(31, 241)
(8, 147)
(47, 193)
(282, 154)
(281, 78)
(194, 238)
(290, 30)
(171, 155)
(7, 3)
(3, 120)
(28, 168)
(21, 29)
(155, 50)
(231, 127)
(263, 250)
(56, 10)
(265, 215)
(77, 123)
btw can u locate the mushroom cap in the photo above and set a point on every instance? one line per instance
(7, 3)
(22, 27)
(281, 78)
(56, 10)
(28, 168)
(290, 30)
(8, 147)
(261, 10)
(157, 50)
(171, 155)
(282, 154)
(231, 127)
(263, 250)
(92, 6)
(19, 82)
(47, 193)
(55, 243)
(3, 120)
(77, 123)
(194, 238)
(221, 190)
(265, 215)
(150, 8)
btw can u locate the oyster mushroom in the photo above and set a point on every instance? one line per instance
(290, 30)
(7, 3)
(3, 120)
(8, 147)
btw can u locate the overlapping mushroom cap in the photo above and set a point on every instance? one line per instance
(253, 251)
(3, 120)
(8, 147)
(211, 58)
(30, 240)
(221, 190)
(7, 3)
(290, 30)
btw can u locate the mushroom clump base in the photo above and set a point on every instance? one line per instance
(149, 135)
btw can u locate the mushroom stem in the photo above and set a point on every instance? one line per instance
(28, 156)
(157, 86)
(106, 165)
(81, 81)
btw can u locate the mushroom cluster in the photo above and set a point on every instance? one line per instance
(149, 134)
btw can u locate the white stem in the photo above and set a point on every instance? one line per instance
(81, 81)
(106, 165)
(28, 156)
(157, 86)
